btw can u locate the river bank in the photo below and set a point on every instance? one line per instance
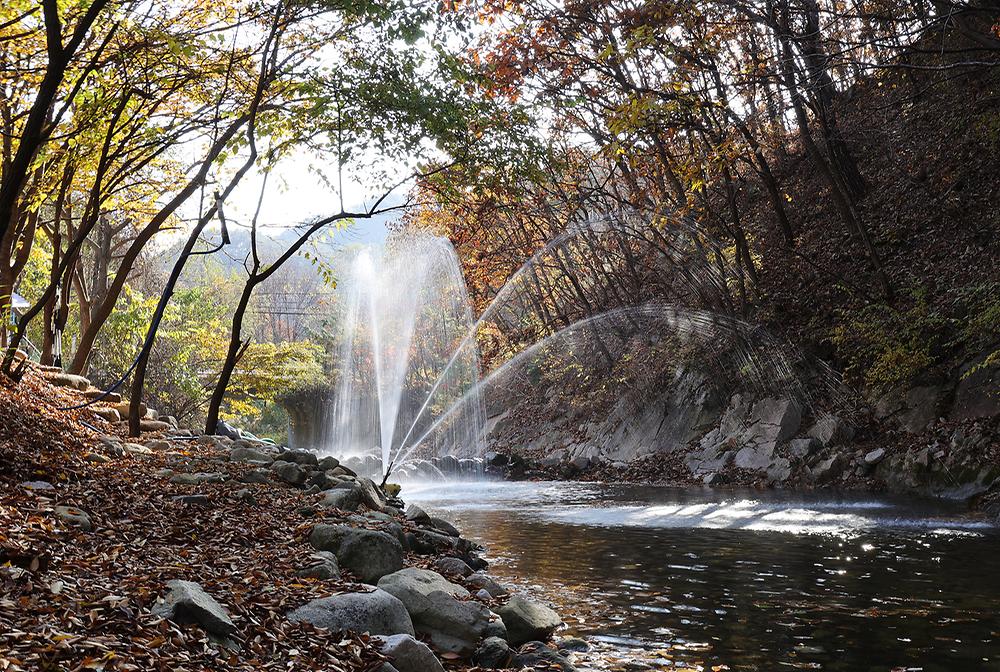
(178, 551)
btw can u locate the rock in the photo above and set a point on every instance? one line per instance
(37, 485)
(446, 527)
(195, 499)
(376, 612)
(106, 397)
(483, 596)
(831, 430)
(436, 608)
(496, 628)
(527, 620)
(327, 463)
(154, 426)
(258, 476)
(223, 428)
(187, 602)
(245, 495)
(481, 581)
(123, 406)
(137, 449)
(976, 394)
(803, 448)
(754, 457)
(537, 654)
(197, 478)
(243, 453)
(344, 471)
(345, 499)
(580, 463)
(74, 516)
(573, 644)
(67, 380)
(302, 457)
(158, 444)
(493, 654)
(417, 515)
(875, 456)
(778, 419)
(289, 472)
(370, 554)
(320, 481)
(827, 469)
(713, 478)
(914, 410)
(324, 566)
(779, 470)
(408, 655)
(452, 567)
(109, 414)
(371, 496)
(329, 537)
(96, 458)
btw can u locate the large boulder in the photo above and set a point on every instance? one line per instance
(289, 472)
(187, 602)
(302, 457)
(246, 453)
(831, 430)
(436, 607)
(371, 496)
(527, 620)
(406, 654)
(343, 498)
(369, 554)
(376, 612)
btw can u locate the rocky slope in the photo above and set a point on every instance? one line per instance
(187, 552)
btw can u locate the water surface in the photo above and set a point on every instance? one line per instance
(709, 579)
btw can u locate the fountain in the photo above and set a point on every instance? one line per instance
(404, 312)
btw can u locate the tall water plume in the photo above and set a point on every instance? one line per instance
(404, 315)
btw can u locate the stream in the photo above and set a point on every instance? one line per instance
(728, 580)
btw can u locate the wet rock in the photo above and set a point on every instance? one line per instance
(573, 644)
(327, 463)
(376, 612)
(289, 472)
(187, 602)
(371, 496)
(370, 555)
(437, 609)
(443, 525)
(831, 430)
(452, 567)
(244, 453)
(417, 515)
(536, 654)
(481, 581)
(345, 499)
(406, 654)
(527, 620)
(324, 566)
(71, 515)
(493, 654)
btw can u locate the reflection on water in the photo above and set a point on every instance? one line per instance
(752, 581)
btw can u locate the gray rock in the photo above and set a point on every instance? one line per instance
(327, 463)
(74, 516)
(289, 472)
(370, 555)
(259, 476)
(976, 394)
(345, 499)
(874, 456)
(244, 453)
(779, 470)
(574, 644)
(408, 655)
(443, 525)
(376, 612)
(493, 654)
(436, 608)
(527, 620)
(535, 654)
(371, 496)
(754, 457)
(324, 566)
(827, 469)
(452, 567)
(196, 499)
(302, 457)
(831, 430)
(245, 495)
(496, 628)
(913, 410)
(197, 478)
(187, 602)
(417, 515)
(481, 581)
(329, 537)
(803, 448)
